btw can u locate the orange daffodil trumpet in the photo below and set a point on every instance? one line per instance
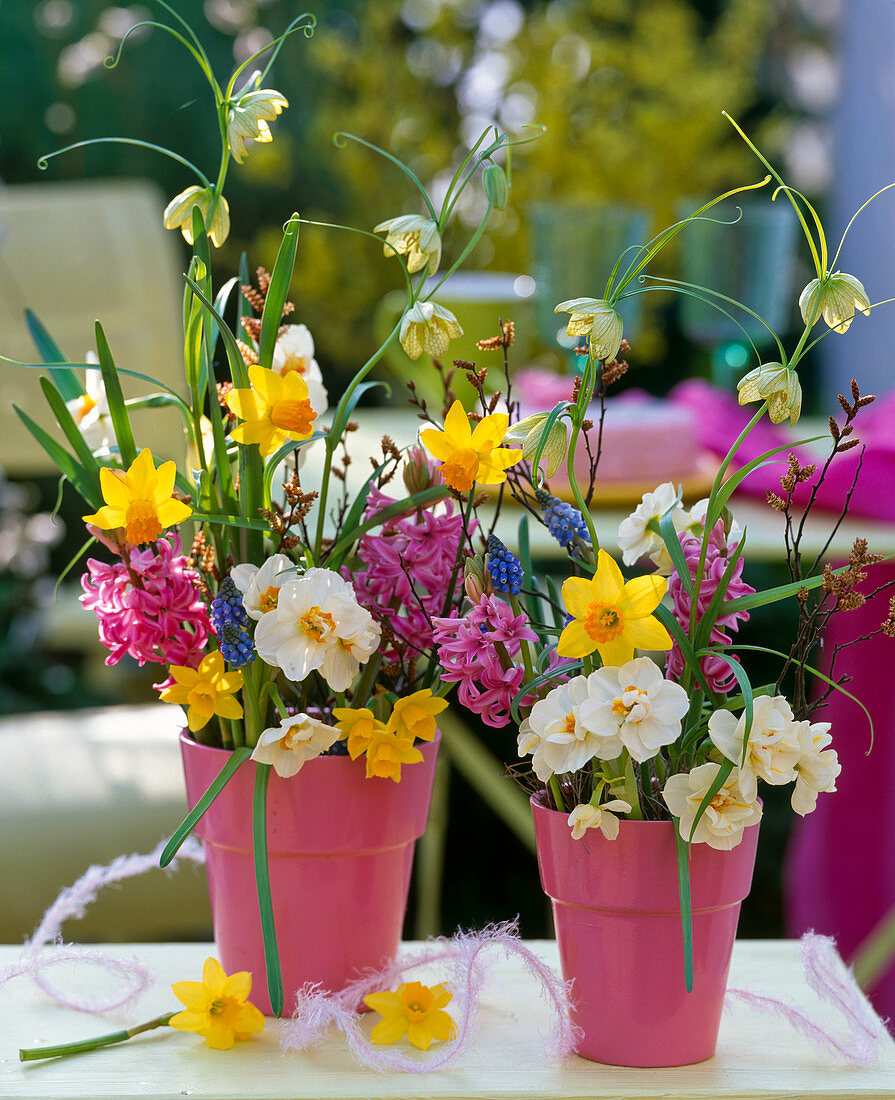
(276, 408)
(470, 455)
(611, 615)
(217, 1008)
(139, 500)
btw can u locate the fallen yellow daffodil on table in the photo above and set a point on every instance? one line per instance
(414, 1010)
(217, 1008)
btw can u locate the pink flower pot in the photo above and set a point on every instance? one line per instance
(340, 850)
(618, 928)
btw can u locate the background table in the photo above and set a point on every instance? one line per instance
(759, 1056)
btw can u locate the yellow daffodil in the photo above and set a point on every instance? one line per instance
(428, 327)
(217, 1008)
(205, 690)
(276, 408)
(139, 500)
(179, 214)
(386, 752)
(596, 318)
(249, 115)
(414, 715)
(612, 615)
(776, 384)
(413, 236)
(415, 1010)
(469, 455)
(358, 726)
(836, 297)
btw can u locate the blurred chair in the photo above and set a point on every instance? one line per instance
(75, 253)
(80, 788)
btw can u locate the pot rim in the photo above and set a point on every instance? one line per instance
(186, 737)
(537, 805)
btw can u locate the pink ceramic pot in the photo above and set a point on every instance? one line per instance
(340, 849)
(618, 928)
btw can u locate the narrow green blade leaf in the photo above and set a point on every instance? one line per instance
(710, 615)
(277, 292)
(124, 434)
(683, 883)
(418, 500)
(196, 813)
(346, 407)
(674, 628)
(262, 880)
(66, 380)
(724, 770)
(673, 545)
(73, 434)
(271, 463)
(64, 461)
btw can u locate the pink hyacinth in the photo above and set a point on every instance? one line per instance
(717, 672)
(148, 606)
(468, 655)
(407, 569)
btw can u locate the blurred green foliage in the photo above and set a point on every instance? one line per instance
(630, 93)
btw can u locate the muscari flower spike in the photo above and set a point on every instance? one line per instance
(227, 607)
(563, 521)
(504, 567)
(237, 647)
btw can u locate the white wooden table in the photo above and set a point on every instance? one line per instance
(759, 1056)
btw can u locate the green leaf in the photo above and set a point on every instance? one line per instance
(282, 453)
(262, 880)
(346, 407)
(72, 563)
(748, 696)
(64, 461)
(710, 615)
(683, 885)
(782, 592)
(720, 498)
(238, 371)
(675, 550)
(124, 434)
(237, 757)
(234, 521)
(73, 434)
(674, 628)
(272, 317)
(67, 382)
(525, 560)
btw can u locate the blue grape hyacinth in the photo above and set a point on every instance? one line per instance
(504, 567)
(563, 521)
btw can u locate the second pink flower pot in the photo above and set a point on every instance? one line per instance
(340, 850)
(618, 928)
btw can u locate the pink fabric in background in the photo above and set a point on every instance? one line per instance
(840, 869)
(719, 420)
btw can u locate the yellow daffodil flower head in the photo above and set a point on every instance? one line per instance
(249, 115)
(428, 327)
(275, 408)
(414, 715)
(528, 433)
(386, 752)
(205, 691)
(358, 726)
(776, 384)
(217, 1008)
(596, 318)
(139, 500)
(415, 237)
(415, 1010)
(468, 455)
(179, 214)
(612, 615)
(836, 298)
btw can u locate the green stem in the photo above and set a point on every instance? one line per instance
(557, 794)
(33, 1054)
(524, 645)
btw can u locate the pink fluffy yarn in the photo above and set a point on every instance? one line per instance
(148, 605)
(469, 656)
(408, 564)
(717, 671)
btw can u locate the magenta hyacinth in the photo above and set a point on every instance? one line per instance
(148, 606)
(717, 672)
(407, 569)
(468, 655)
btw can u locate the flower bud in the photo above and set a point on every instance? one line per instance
(494, 181)
(419, 474)
(476, 578)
